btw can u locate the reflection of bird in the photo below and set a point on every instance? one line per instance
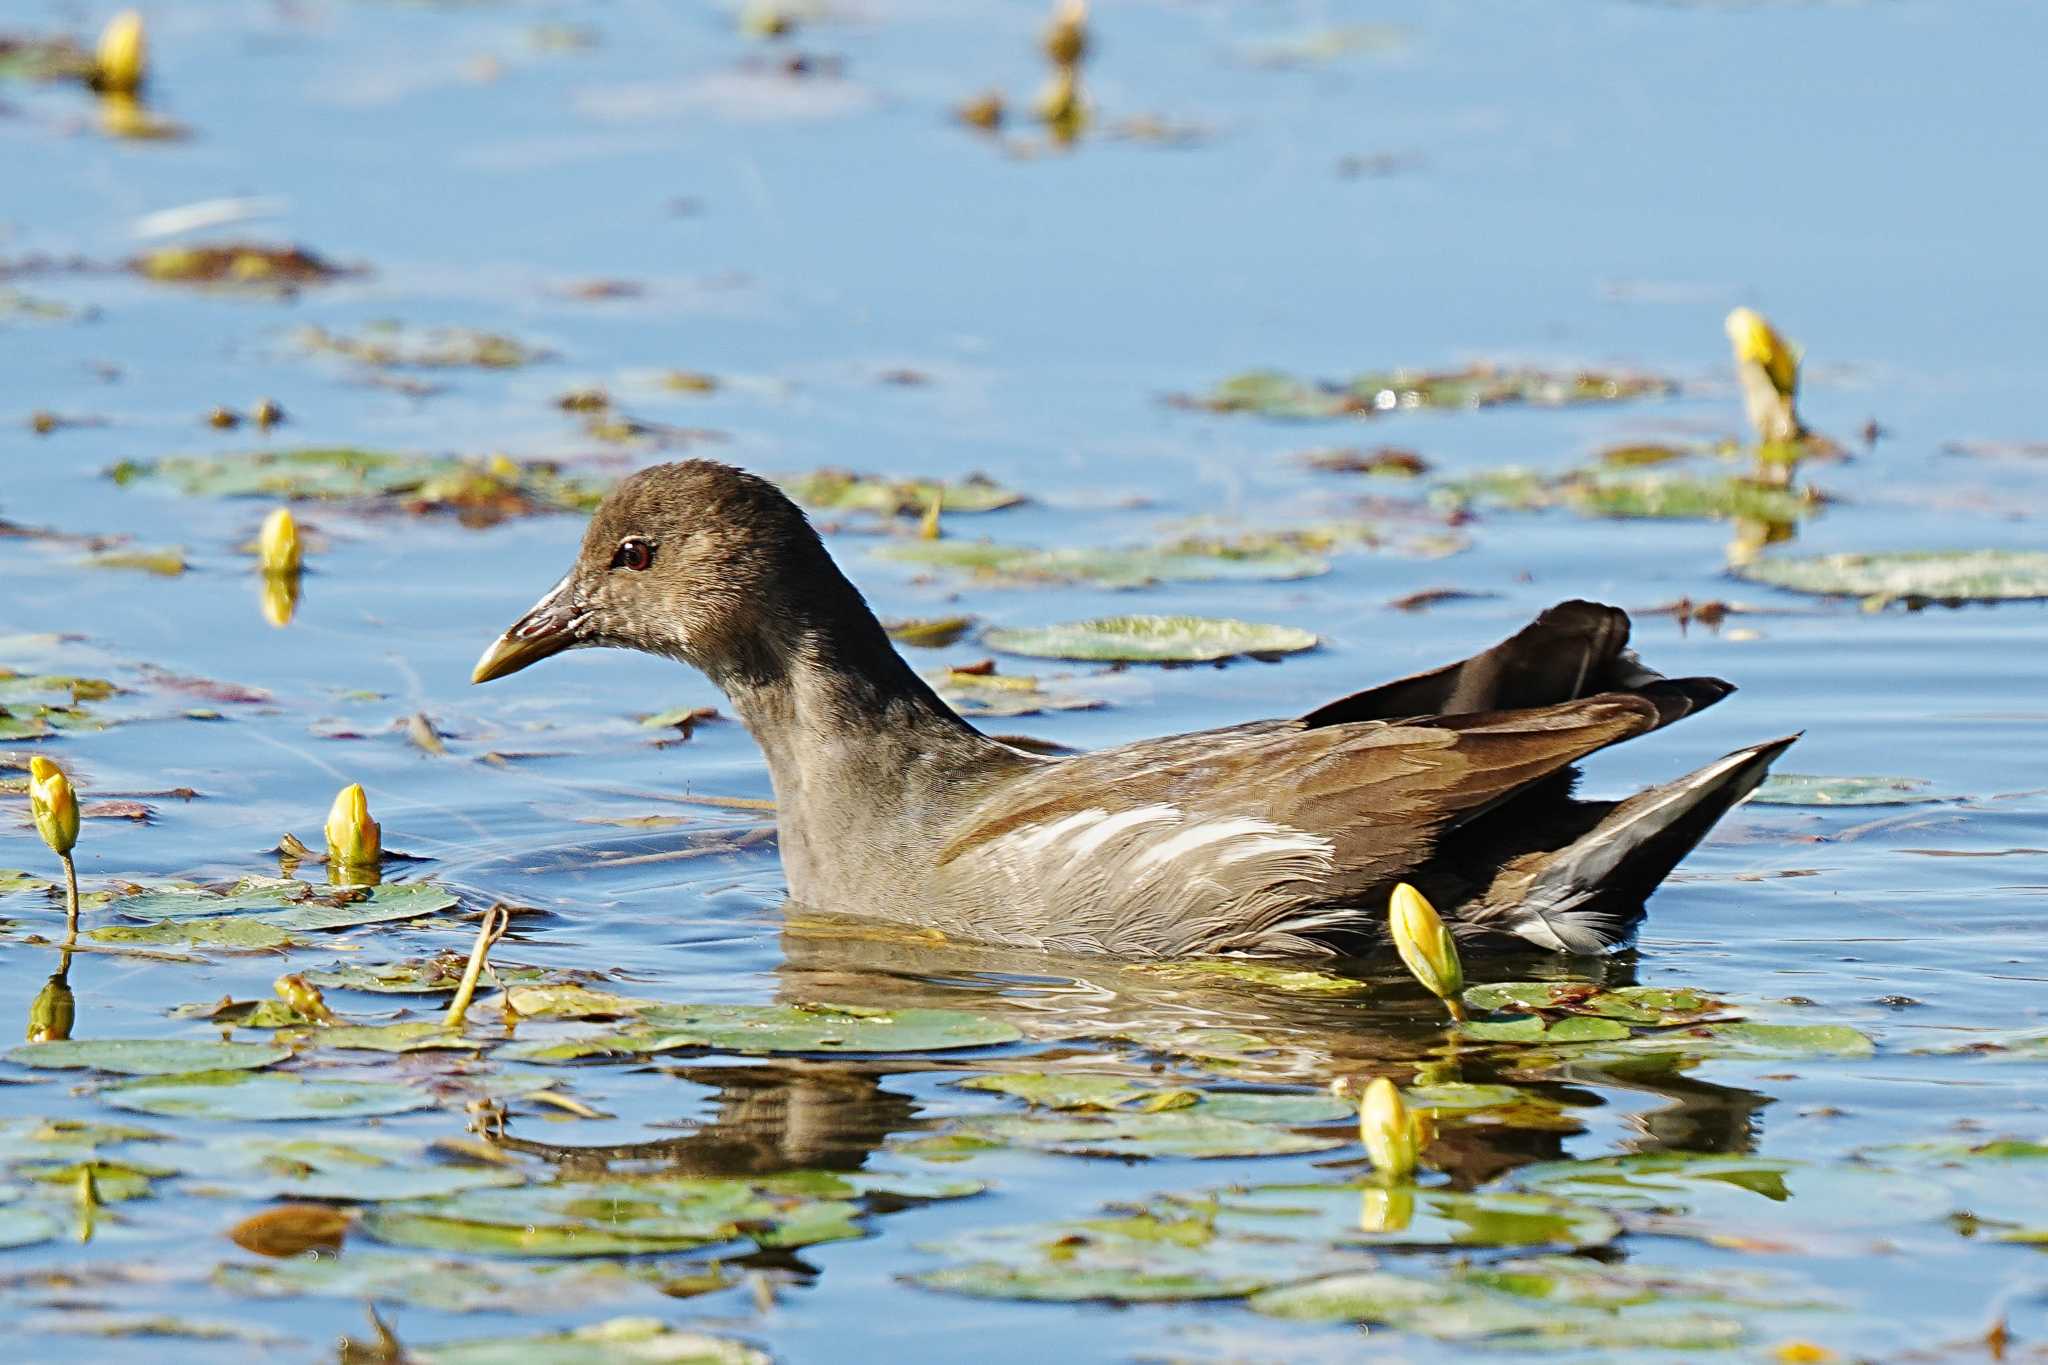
(1271, 838)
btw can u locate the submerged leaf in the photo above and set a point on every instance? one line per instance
(1809, 789)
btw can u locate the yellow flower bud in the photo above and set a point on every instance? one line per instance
(53, 804)
(304, 997)
(278, 544)
(1758, 343)
(353, 838)
(1388, 1130)
(1426, 945)
(1066, 41)
(51, 1014)
(123, 57)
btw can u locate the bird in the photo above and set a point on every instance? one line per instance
(1278, 838)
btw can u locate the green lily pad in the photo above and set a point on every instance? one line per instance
(383, 904)
(602, 1343)
(1811, 789)
(281, 904)
(1098, 1093)
(147, 1056)
(37, 720)
(840, 490)
(235, 265)
(1366, 1214)
(363, 1168)
(393, 345)
(225, 931)
(418, 1035)
(1169, 1133)
(1706, 1194)
(1531, 1029)
(114, 1182)
(437, 975)
(479, 491)
(1005, 694)
(1273, 394)
(1185, 561)
(40, 1138)
(776, 1028)
(442, 1284)
(13, 880)
(263, 1095)
(435, 1232)
(1911, 575)
(64, 689)
(1630, 1004)
(25, 1227)
(1151, 639)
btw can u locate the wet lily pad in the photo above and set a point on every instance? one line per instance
(1367, 1214)
(1911, 575)
(362, 1168)
(602, 1343)
(25, 1227)
(988, 693)
(1605, 493)
(1151, 639)
(41, 1138)
(1631, 1004)
(114, 1182)
(389, 345)
(419, 1035)
(1701, 1194)
(1812, 789)
(230, 932)
(478, 491)
(263, 1095)
(1190, 560)
(841, 490)
(1169, 1133)
(776, 1028)
(437, 975)
(245, 265)
(147, 1056)
(13, 880)
(1141, 1257)
(439, 1283)
(1100, 1093)
(281, 904)
(1274, 394)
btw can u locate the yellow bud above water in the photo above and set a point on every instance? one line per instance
(1389, 1132)
(277, 545)
(1426, 945)
(304, 997)
(122, 61)
(353, 838)
(1756, 342)
(53, 804)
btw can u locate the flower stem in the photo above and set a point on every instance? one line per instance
(70, 900)
(497, 920)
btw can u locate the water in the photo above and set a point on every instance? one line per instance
(1597, 186)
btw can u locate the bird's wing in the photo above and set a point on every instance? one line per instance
(1242, 840)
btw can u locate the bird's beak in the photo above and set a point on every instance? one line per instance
(548, 629)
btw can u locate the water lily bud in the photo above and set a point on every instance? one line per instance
(1388, 1130)
(1426, 945)
(1060, 106)
(51, 1013)
(304, 997)
(277, 545)
(1768, 367)
(1066, 42)
(123, 57)
(353, 838)
(53, 804)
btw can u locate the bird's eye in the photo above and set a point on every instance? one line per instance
(633, 553)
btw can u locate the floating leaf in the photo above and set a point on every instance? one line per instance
(1151, 639)
(263, 1095)
(975, 693)
(776, 1028)
(602, 1343)
(479, 491)
(436, 975)
(1604, 493)
(934, 632)
(291, 1230)
(147, 1056)
(224, 931)
(392, 344)
(363, 1168)
(1141, 1257)
(1631, 1004)
(840, 490)
(246, 265)
(1810, 789)
(1911, 576)
(1272, 394)
(445, 1285)
(421, 1035)
(1438, 1217)
(1190, 560)
(25, 1227)
(1173, 1132)
(1699, 1194)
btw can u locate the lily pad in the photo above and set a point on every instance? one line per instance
(244, 265)
(442, 1284)
(1813, 789)
(418, 1035)
(478, 491)
(1190, 560)
(147, 1056)
(602, 1343)
(232, 932)
(1169, 1133)
(777, 1028)
(1004, 694)
(841, 490)
(25, 1227)
(263, 1095)
(1605, 493)
(388, 345)
(1703, 1194)
(437, 975)
(1151, 639)
(1911, 575)
(1274, 394)
(363, 1168)
(1631, 1004)
(1368, 1214)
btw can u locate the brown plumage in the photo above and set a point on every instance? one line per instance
(1277, 837)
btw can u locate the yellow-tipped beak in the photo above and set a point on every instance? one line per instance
(545, 631)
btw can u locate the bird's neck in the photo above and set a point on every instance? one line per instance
(866, 760)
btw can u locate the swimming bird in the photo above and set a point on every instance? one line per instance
(1275, 838)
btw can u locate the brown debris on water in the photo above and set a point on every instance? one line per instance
(242, 265)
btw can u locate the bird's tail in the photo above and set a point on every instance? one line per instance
(1587, 897)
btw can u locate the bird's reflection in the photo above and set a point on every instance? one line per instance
(1151, 1020)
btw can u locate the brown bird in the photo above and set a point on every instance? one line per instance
(1273, 838)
